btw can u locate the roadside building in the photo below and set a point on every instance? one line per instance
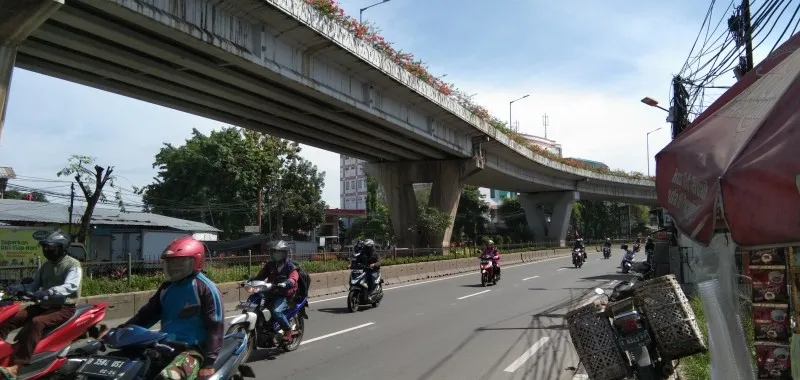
(113, 234)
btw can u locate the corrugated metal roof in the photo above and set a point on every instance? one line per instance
(7, 172)
(13, 210)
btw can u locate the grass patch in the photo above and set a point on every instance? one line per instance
(698, 367)
(221, 272)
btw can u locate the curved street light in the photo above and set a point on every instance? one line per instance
(361, 11)
(509, 108)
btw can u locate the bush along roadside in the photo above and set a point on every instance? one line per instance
(232, 273)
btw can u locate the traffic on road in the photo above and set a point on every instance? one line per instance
(465, 326)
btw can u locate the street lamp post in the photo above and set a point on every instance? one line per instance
(652, 103)
(361, 11)
(648, 149)
(509, 108)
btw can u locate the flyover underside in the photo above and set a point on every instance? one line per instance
(534, 182)
(84, 45)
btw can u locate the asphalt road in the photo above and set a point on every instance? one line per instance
(450, 328)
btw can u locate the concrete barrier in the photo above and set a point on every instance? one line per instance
(125, 305)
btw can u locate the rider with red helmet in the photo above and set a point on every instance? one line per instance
(491, 252)
(189, 306)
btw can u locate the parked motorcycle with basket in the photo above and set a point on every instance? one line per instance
(643, 329)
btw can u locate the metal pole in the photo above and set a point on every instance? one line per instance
(509, 109)
(361, 11)
(71, 206)
(648, 149)
(130, 268)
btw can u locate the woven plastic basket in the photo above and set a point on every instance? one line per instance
(595, 342)
(671, 318)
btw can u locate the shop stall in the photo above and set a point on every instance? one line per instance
(731, 181)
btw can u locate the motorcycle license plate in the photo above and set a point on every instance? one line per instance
(632, 342)
(105, 367)
(484, 261)
(245, 305)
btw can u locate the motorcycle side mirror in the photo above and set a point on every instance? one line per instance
(599, 291)
(26, 281)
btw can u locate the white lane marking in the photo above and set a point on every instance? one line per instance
(580, 376)
(526, 355)
(312, 340)
(474, 294)
(529, 278)
(560, 269)
(439, 279)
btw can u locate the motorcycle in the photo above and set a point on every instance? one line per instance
(577, 258)
(606, 252)
(488, 271)
(633, 334)
(140, 354)
(359, 289)
(627, 261)
(257, 323)
(59, 343)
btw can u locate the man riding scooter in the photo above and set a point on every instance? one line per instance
(189, 306)
(282, 272)
(579, 245)
(607, 248)
(57, 284)
(372, 262)
(491, 252)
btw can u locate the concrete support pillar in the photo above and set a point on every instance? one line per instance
(398, 179)
(18, 19)
(558, 204)
(445, 195)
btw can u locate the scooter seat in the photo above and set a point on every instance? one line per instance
(79, 310)
(229, 347)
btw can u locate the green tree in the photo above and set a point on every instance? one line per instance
(431, 223)
(92, 183)
(377, 225)
(473, 211)
(512, 213)
(217, 179)
(15, 194)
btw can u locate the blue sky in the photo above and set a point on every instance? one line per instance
(584, 63)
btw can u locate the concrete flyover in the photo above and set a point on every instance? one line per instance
(280, 67)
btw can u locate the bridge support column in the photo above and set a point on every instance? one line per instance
(557, 205)
(18, 19)
(397, 180)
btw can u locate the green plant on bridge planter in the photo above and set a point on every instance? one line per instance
(369, 34)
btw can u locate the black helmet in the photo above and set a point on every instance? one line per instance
(279, 250)
(624, 246)
(56, 245)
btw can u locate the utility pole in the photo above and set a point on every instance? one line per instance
(680, 108)
(71, 205)
(748, 37)
(260, 204)
(280, 208)
(739, 24)
(545, 123)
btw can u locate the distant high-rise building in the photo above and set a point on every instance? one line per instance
(352, 183)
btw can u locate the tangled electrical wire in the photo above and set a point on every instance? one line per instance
(720, 46)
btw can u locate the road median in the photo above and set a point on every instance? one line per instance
(123, 305)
